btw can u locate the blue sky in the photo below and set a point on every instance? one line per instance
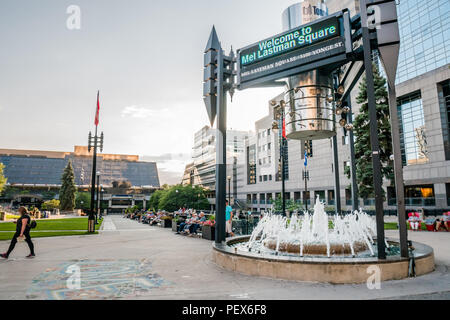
(144, 56)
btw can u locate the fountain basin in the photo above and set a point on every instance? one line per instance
(336, 269)
(316, 249)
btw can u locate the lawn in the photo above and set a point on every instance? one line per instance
(54, 224)
(51, 228)
(393, 226)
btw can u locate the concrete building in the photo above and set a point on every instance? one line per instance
(39, 173)
(202, 171)
(423, 90)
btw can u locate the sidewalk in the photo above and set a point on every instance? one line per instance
(128, 260)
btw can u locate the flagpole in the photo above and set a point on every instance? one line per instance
(91, 222)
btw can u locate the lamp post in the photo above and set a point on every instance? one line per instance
(97, 197)
(94, 142)
(101, 199)
(279, 117)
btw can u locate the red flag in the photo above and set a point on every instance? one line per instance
(284, 129)
(97, 114)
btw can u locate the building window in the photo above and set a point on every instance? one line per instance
(268, 146)
(413, 140)
(268, 132)
(447, 190)
(265, 177)
(321, 194)
(270, 177)
(422, 195)
(260, 178)
(251, 164)
(444, 106)
(423, 28)
(331, 197)
(348, 197)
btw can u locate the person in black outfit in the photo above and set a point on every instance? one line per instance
(22, 230)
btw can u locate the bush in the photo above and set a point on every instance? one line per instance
(50, 205)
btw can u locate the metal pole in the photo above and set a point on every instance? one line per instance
(91, 219)
(98, 199)
(355, 199)
(221, 152)
(337, 184)
(373, 122)
(305, 177)
(398, 171)
(229, 192)
(283, 181)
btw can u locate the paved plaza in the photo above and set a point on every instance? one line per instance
(128, 260)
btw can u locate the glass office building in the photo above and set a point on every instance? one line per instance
(425, 37)
(43, 168)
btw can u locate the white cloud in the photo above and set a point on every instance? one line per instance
(136, 111)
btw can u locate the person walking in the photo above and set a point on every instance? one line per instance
(229, 219)
(22, 230)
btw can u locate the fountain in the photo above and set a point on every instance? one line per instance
(312, 235)
(312, 247)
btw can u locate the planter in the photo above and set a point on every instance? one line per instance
(208, 232)
(174, 226)
(166, 223)
(430, 227)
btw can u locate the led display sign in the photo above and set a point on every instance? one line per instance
(303, 45)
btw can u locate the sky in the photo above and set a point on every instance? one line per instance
(145, 57)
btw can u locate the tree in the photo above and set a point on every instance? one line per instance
(155, 198)
(291, 205)
(363, 150)
(83, 201)
(179, 196)
(2, 178)
(68, 189)
(50, 204)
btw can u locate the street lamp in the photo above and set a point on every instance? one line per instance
(97, 197)
(101, 199)
(278, 112)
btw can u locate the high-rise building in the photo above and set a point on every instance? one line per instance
(202, 170)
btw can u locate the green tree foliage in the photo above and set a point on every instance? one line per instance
(68, 189)
(83, 201)
(363, 150)
(2, 178)
(291, 205)
(175, 197)
(50, 205)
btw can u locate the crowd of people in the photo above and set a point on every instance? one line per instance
(148, 217)
(191, 224)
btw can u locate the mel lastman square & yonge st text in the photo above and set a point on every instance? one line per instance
(320, 170)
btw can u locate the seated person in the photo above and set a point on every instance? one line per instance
(196, 224)
(443, 222)
(188, 224)
(413, 221)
